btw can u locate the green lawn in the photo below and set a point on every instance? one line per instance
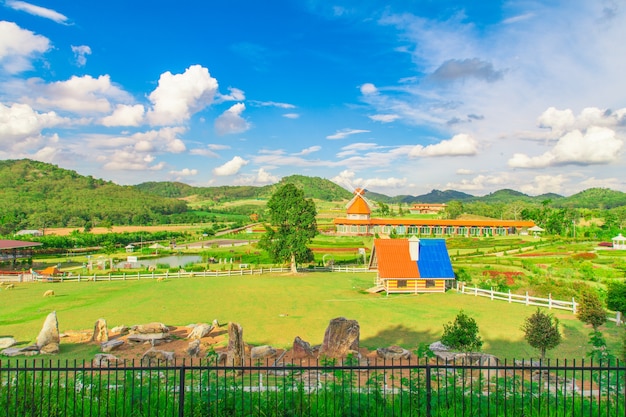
(275, 309)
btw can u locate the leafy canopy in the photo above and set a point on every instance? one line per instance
(462, 334)
(292, 226)
(591, 310)
(541, 331)
(616, 296)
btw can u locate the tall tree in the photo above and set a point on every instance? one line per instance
(591, 310)
(292, 226)
(616, 296)
(541, 331)
(462, 334)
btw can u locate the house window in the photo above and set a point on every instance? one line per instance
(402, 283)
(430, 283)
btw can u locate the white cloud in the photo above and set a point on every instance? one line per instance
(598, 145)
(347, 178)
(384, 118)
(480, 182)
(231, 167)
(262, 177)
(80, 53)
(463, 171)
(179, 96)
(18, 47)
(459, 145)
(344, 133)
(543, 184)
(272, 104)
(235, 95)
(368, 88)
(20, 121)
(37, 11)
(129, 160)
(309, 150)
(291, 115)
(80, 94)
(125, 115)
(185, 172)
(231, 121)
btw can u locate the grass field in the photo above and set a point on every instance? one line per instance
(274, 309)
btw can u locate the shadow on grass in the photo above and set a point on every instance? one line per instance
(399, 335)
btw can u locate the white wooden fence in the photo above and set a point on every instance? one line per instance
(180, 274)
(614, 316)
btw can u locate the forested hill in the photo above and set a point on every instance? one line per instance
(34, 195)
(313, 187)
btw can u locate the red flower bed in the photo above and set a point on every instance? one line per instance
(585, 256)
(509, 276)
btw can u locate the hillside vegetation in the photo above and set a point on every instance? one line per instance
(37, 195)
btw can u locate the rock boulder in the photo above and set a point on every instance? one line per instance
(341, 336)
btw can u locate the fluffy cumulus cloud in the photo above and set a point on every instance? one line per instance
(179, 96)
(231, 167)
(125, 115)
(347, 178)
(543, 184)
(37, 11)
(368, 88)
(344, 133)
(82, 95)
(185, 172)
(261, 177)
(231, 121)
(129, 160)
(309, 150)
(593, 137)
(18, 47)
(19, 122)
(80, 54)
(459, 145)
(481, 182)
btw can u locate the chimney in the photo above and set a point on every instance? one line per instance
(414, 248)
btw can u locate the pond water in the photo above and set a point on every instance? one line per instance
(174, 261)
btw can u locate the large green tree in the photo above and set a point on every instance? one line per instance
(292, 226)
(591, 310)
(541, 331)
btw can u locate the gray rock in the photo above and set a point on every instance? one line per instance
(111, 345)
(105, 359)
(341, 336)
(262, 352)
(438, 347)
(50, 349)
(100, 331)
(236, 347)
(49, 332)
(7, 342)
(193, 349)
(199, 331)
(28, 351)
(121, 330)
(150, 328)
(155, 357)
(302, 349)
(393, 353)
(148, 337)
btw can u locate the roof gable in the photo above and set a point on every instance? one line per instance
(434, 260)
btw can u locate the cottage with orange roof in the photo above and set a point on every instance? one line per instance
(411, 265)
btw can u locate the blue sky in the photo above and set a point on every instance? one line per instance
(401, 97)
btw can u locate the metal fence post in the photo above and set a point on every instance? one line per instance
(181, 391)
(429, 393)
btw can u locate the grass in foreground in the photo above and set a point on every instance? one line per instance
(274, 309)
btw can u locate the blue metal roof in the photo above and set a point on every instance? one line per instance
(434, 261)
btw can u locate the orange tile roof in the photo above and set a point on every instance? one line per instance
(437, 222)
(359, 206)
(394, 260)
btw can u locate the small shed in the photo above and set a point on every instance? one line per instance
(535, 230)
(411, 265)
(619, 242)
(130, 248)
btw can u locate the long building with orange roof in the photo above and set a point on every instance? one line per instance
(358, 221)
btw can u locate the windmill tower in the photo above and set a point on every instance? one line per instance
(359, 208)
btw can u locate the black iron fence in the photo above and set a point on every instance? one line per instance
(418, 388)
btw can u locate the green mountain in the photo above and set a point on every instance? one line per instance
(314, 187)
(593, 198)
(437, 197)
(36, 195)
